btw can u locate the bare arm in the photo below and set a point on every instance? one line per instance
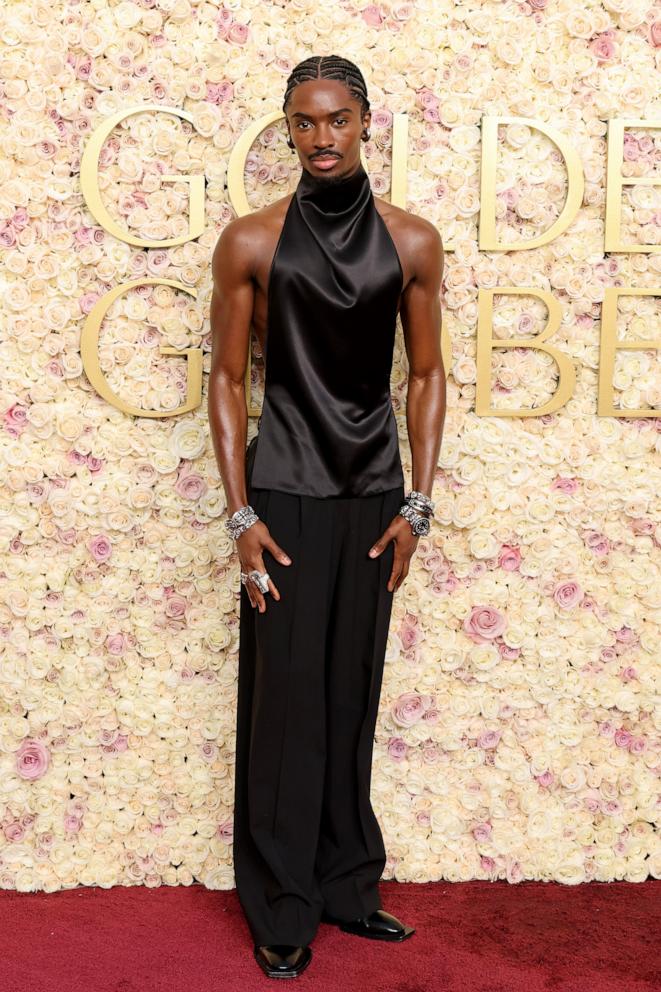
(425, 399)
(231, 314)
(421, 323)
(232, 302)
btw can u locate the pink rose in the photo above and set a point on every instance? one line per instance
(190, 486)
(565, 485)
(119, 745)
(20, 218)
(484, 624)
(622, 737)
(509, 558)
(397, 749)
(7, 235)
(638, 745)
(209, 751)
(626, 635)
(100, 548)
(488, 739)
(72, 824)
(14, 831)
(482, 832)
(175, 606)
(409, 708)
(381, 118)
(226, 830)
(643, 526)
(116, 644)
(238, 33)
(214, 93)
(603, 48)
(567, 594)
(15, 419)
(655, 33)
(408, 635)
(598, 543)
(546, 779)
(83, 235)
(427, 98)
(372, 16)
(32, 759)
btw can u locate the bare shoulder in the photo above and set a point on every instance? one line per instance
(246, 239)
(417, 240)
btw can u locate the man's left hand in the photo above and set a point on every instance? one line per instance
(399, 531)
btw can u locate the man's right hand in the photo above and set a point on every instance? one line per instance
(251, 545)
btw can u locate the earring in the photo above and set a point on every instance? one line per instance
(291, 143)
(366, 134)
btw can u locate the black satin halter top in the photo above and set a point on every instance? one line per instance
(327, 426)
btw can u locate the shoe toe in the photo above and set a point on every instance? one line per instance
(282, 960)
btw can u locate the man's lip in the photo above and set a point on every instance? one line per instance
(324, 158)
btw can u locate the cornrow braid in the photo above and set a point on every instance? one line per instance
(329, 67)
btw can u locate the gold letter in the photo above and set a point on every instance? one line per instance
(486, 343)
(89, 345)
(89, 182)
(614, 182)
(487, 240)
(610, 344)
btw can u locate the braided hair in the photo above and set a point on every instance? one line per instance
(329, 67)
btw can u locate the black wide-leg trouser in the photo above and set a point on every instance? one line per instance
(310, 673)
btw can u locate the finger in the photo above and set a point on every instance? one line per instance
(259, 596)
(403, 574)
(273, 589)
(381, 544)
(394, 575)
(278, 553)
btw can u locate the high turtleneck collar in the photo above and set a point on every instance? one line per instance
(336, 197)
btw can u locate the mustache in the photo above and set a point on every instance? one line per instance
(325, 155)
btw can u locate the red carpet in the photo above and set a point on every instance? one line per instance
(471, 937)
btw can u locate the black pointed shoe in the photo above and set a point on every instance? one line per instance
(379, 925)
(282, 960)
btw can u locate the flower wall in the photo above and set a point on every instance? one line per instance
(518, 735)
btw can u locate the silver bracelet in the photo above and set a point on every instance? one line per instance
(241, 520)
(419, 501)
(419, 522)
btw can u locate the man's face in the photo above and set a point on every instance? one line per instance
(325, 125)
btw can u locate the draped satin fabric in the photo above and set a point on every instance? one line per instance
(327, 426)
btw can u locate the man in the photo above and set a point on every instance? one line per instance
(319, 501)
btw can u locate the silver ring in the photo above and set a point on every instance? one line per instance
(259, 578)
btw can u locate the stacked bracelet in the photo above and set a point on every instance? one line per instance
(241, 520)
(417, 509)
